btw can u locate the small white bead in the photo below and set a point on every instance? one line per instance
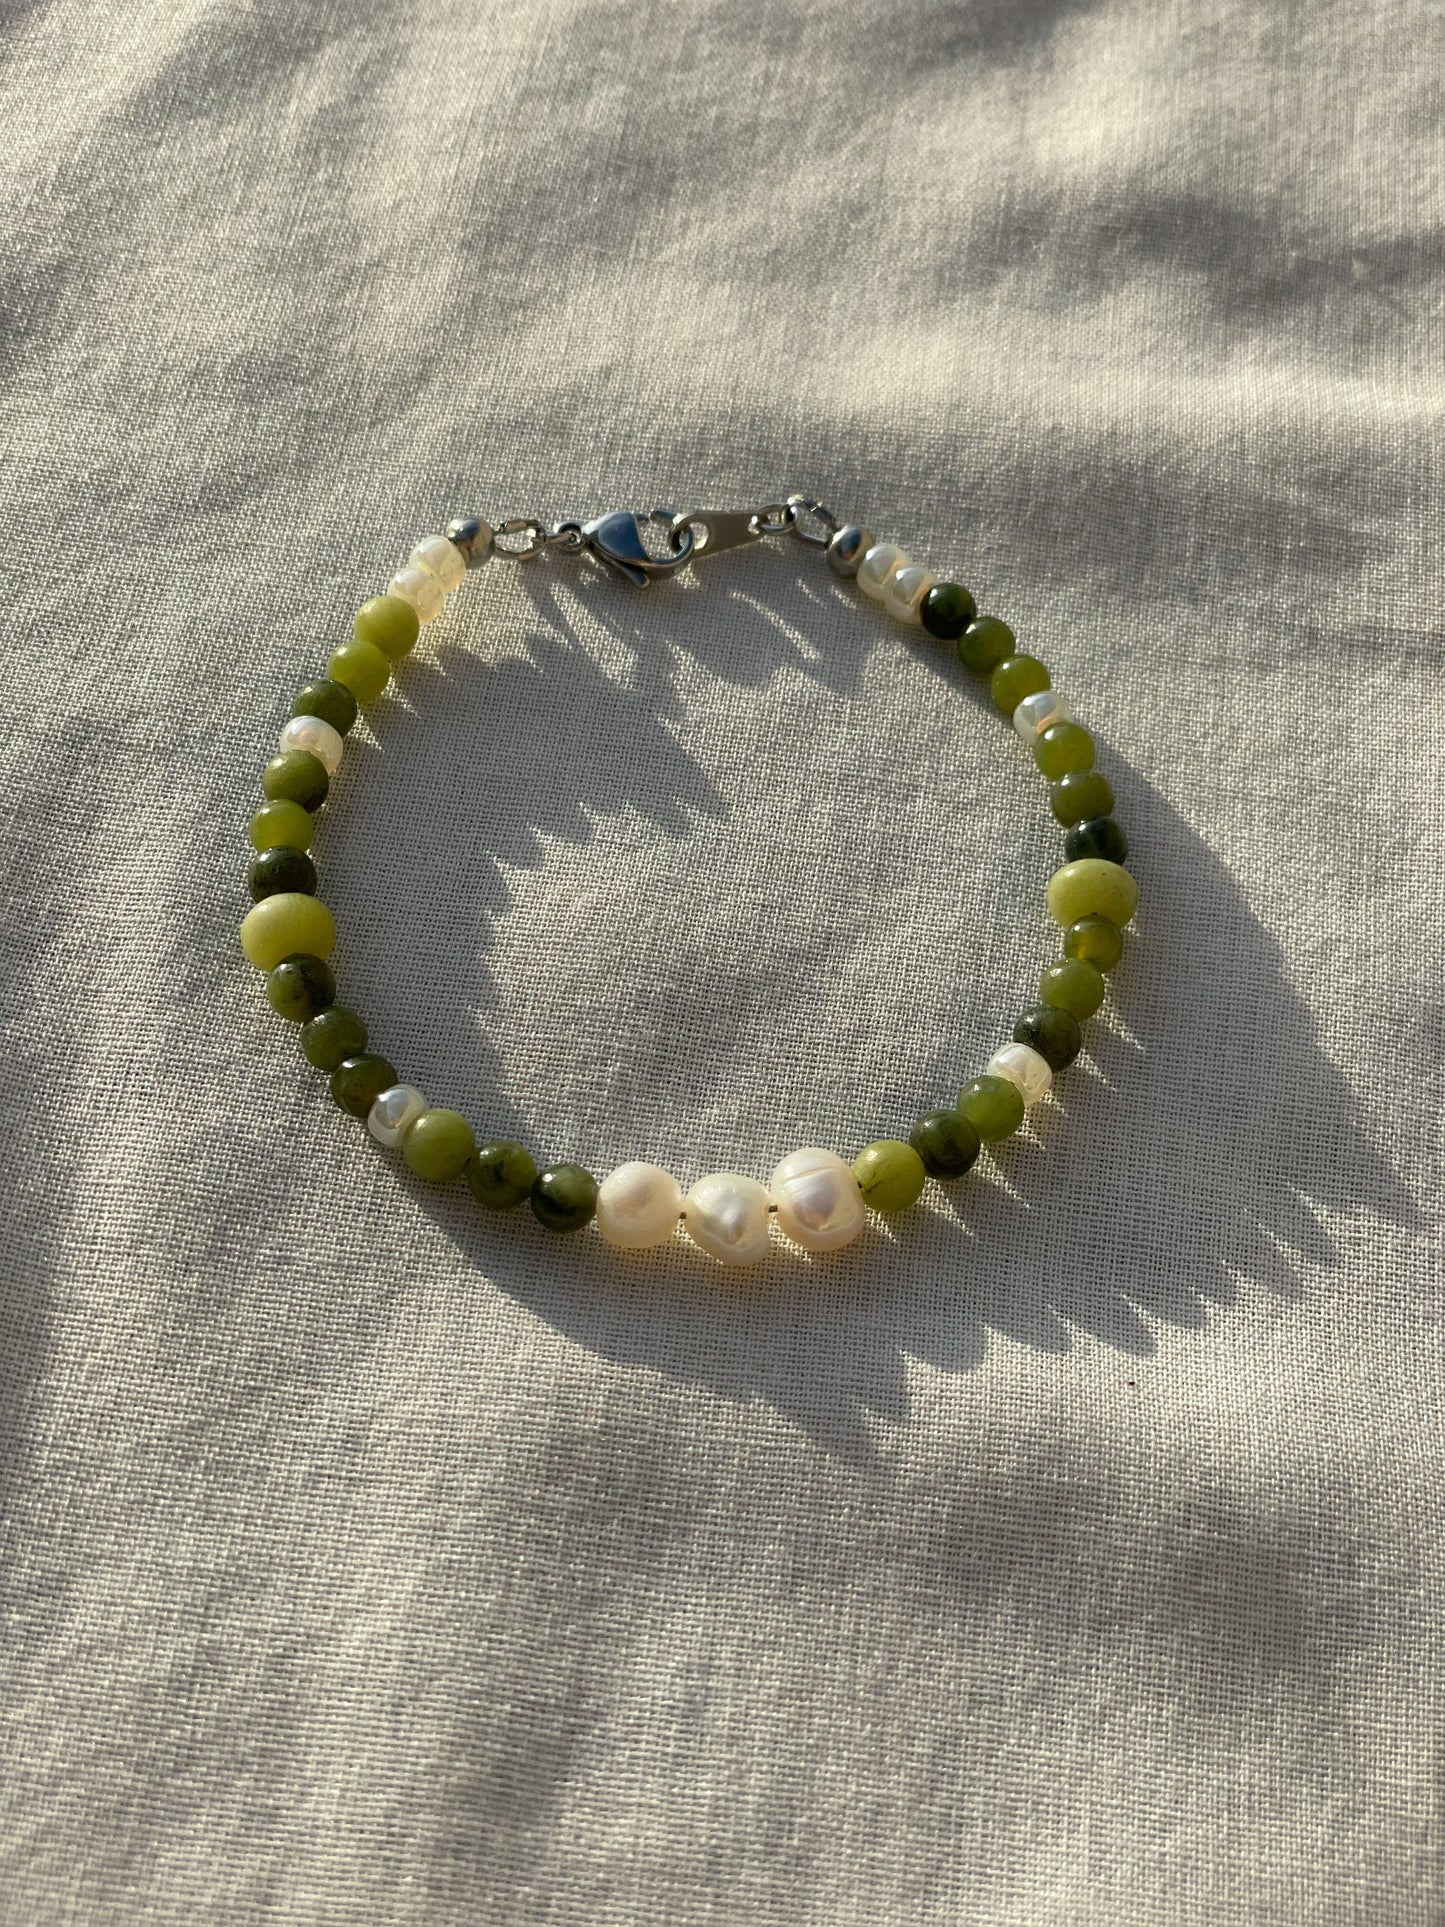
(819, 1204)
(1039, 712)
(421, 589)
(905, 592)
(728, 1216)
(392, 1112)
(443, 558)
(638, 1205)
(878, 568)
(1022, 1065)
(315, 735)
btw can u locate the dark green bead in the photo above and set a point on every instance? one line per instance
(946, 610)
(1053, 1033)
(1074, 986)
(281, 868)
(1096, 941)
(1063, 748)
(296, 776)
(564, 1197)
(332, 701)
(501, 1174)
(336, 1034)
(1097, 836)
(984, 644)
(993, 1106)
(300, 987)
(1084, 792)
(357, 1082)
(947, 1143)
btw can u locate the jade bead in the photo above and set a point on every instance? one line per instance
(334, 1035)
(1097, 836)
(287, 925)
(564, 1197)
(1015, 678)
(357, 1082)
(984, 644)
(947, 1143)
(501, 1174)
(1074, 986)
(1094, 940)
(332, 701)
(389, 623)
(437, 1145)
(1062, 749)
(1053, 1032)
(946, 610)
(299, 987)
(282, 823)
(281, 868)
(1084, 792)
(890, 1175)
(361, 668)
(993, 1106)
(296, 776)
(1091, 887)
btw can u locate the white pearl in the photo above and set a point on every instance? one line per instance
(638, 1205)
(1022, 1065)
(1039, 712)
(728, 1216)
(443, 558)
(393, 1111)
(421, 589)
(905, 592)
(819, 1204)
(315, 735)
(878, 568)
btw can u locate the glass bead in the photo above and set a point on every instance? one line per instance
(438, 1144)
(946, 610)
(993, 1106)
(984, 644)
(393, 1113)
(421, 589)
(726, 1215)
(296, 776)
(282, 867)
(638, 1205)
(361, 668)
(299, 987)
(388, 624)
(1063, 748)
(501, 1174)
(1084, 792)
(890, 1175)
(282, 825)
(334, 1035)
(1074, 986)
(316, 736)
(1038, 712)
(1024, 1067)
(1090, 887)
(947, 1143)
(878, 568)
(1052, 1032)
(286, 925)
(332, 701)
(1015, 678)
(357, 1082)
(1097, 836)
(444, 559)
(906, 590)
(819, 1204)
(564, 1197)
(1095, 940)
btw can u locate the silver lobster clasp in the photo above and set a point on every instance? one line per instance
(616, 539)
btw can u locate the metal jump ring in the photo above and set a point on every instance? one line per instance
(801, 506)
(522, 525)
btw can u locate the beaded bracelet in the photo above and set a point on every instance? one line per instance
(817, 1200)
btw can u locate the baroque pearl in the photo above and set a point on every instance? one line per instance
(1039, 712)
(638, 1205)
(728, 1216)
(443, 558)
(878, 568)
(393, 1112)
(905, 592)
(819, 1204)
(421, 589)
(1025, 1069)
(318, 737)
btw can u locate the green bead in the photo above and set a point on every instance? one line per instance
(282, 824)
(357, 1082)
(335, 1035)
(992, 1105)
(501, 1174)
(296, 776)
(947, 1143)
(1085, 792)
(564, 1197)
(946, 610)
(1015, 678)
(1074, 986)
(1091, 887)
(333, 702)
(281, 868)
(1097, 836)
(299, 987)
(361, 668)
(984, 644)
(1094, 940)
(1063, 748)
(286, 925)
(1054, 1033)
(389, 624)
(890, 1175)
(437, 1145)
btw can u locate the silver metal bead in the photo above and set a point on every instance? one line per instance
(848, 548)
(473, 537)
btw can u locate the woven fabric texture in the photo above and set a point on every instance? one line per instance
(1066, 1554)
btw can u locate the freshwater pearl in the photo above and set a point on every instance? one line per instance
(392, 1113)
(421, 589)
(443, 558)
(1025, 1069)
(878, 568)
(728, 1216)
(1039, 712)
(318, 737)
(905, 592)
(638, 1205)
(819, 1204)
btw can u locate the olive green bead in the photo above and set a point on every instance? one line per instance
(564, 1198)
(286, 925)
(299, 987)
(282, 824)
(296, 776)
(1097, 836)
(1054, 1033)
(947, 1143)
(357, 1082)
(501, 1174)
(1091, 887)
(1094, 940)
(332, 701)
(437, 1145)
(984, 644)
(1084, 792)
(389, 624)
(1015, 678)
(281, 868)
(890, 1175)
(331, 1037)
(1074, 986)
(361, 668)
(1062, 749)
(946, 610)
(993, 1106)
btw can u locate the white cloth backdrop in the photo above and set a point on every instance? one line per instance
(1068, 1553)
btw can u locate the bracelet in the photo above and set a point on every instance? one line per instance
(817, 1200)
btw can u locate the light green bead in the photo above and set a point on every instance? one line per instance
(1092, 888)
(1062, 749)
(388, 624)
(993, 1106)
(286, 925)
(437, 1145)
(890, 1175)
(361, 668)
(1074, 986)
(1015, 678)
(282, 825)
